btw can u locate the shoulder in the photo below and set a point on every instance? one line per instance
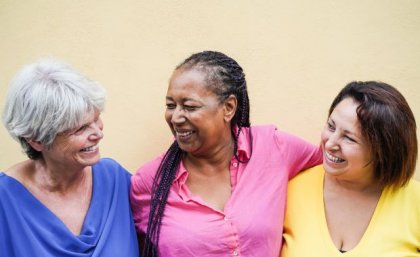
(308, 176)
(260, 130)
(414, 184)
(150, 167)
(109, 163)
(272, 131)
(407, 196)
(266, 134)
(110, 167)
(413, 193)
(3, 182)
(405, 200)
(10, 189)
(143, 177)
(412, 189)
(305, 191)
(16, 175)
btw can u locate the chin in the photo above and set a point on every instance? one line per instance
(331, 170)
(89, 162)
(185, 147)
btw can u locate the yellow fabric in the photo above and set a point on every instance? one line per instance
(394, 230)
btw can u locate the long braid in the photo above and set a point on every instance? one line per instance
(160, 190)
(225, 77)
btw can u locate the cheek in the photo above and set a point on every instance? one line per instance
(366, 156)
(168, 117)
(64, 147)
(324, 136)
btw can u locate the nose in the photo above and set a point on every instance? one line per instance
(97, 128)
(332, 142)
(177, 116)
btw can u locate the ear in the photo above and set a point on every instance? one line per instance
(38, 146)
(230, 106)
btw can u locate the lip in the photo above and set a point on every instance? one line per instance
(93, 148)
(333, 160)
(183, 135)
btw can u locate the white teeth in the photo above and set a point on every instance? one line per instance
(90, 148)
(183, 134)
(333, 158)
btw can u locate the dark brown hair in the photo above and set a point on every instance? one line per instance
(388, 125)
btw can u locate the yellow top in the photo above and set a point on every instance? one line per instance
(394, 230)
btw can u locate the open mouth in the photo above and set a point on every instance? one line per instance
(333, 158)
(183, 134)
(90, 148)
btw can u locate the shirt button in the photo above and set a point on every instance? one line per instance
(235, 164)
(235, 253)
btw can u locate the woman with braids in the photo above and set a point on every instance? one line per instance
(220, 188)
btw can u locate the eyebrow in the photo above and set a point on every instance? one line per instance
(346, 131)
(351, 133)
(184, 99)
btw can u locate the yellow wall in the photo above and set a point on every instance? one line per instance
(297, 55)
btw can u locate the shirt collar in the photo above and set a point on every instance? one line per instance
(244, 144)
(244, 153)
(182, 173)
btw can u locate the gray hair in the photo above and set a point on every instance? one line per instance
(47, 98)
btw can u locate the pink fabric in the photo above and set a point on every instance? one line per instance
(252, 221)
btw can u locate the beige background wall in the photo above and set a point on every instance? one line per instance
(297, 55)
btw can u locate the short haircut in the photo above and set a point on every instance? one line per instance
(389, 127)
(46, 98)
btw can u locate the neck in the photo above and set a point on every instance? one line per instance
(218, 160)
(58, 178)
(365, 186)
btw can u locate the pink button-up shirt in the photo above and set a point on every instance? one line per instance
(251, 223)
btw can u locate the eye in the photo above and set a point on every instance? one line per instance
(170, 106)
(82, 128)
(350, 139)
(190, 107)
(330, 126)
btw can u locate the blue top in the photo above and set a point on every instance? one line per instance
(28, 228)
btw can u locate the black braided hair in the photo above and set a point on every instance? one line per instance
(225, 77)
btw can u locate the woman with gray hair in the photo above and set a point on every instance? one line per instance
(64, 200)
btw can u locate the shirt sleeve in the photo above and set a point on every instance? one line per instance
(298, 153)
(139, 195)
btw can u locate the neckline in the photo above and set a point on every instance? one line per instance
(367, 235)
(52, 214)
(187, 195)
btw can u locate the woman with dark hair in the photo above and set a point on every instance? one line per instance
(362, 201)
(220, 189)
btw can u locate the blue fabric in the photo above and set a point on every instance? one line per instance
(28, 228)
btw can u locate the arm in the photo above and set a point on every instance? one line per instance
(298, 153)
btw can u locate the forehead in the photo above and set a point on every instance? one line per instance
(188, 82)
(344, 114)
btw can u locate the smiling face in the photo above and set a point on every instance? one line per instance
(346, 153)
(77, 147)
(197, 118)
